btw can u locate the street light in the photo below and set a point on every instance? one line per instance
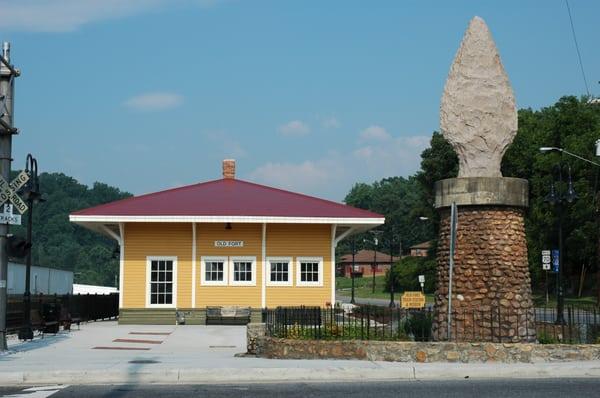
(556, 198)
(353, 270)
(561, 150)
(392, 275)
(376, 233)
(31, 195)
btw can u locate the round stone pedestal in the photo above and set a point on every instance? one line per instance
(491, 290)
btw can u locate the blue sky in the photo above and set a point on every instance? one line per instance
(311, 96)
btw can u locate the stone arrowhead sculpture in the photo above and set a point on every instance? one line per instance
(478, 114)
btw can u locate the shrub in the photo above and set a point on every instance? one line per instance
(418, 325)
(546, 338)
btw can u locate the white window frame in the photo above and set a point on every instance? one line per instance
(300, 260)
(203, 261)
(250, 259)
(149, 260)
(290, 281)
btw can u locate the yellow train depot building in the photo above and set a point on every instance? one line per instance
(223, 243)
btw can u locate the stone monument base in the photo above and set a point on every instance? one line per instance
(491, 290)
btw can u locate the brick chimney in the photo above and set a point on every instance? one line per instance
(229, 168)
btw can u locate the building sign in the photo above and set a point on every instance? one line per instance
(229, 243)
(412, 300)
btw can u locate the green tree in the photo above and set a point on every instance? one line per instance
(61, 244)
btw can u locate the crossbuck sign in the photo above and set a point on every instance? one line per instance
(8, 192)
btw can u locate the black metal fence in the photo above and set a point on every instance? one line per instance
(581, 324)
(82, 307)
(364, 323)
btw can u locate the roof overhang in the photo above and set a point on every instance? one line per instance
(109, 225)
(81, 219)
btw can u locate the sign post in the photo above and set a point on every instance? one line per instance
(453, 227)
(422, 282)
(7, 89)
(555, 261)
(546, 261)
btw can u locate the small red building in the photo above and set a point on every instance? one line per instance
(364, 260)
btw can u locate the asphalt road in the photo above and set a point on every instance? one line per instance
(546, 388)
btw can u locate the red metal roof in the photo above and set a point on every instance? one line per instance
(226, 197)
(366, 256)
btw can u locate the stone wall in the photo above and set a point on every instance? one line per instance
(253, 332)
(398, 351)
(491, 291)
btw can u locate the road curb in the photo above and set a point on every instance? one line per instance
(385, 372)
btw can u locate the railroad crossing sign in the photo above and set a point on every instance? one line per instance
(7, 216)
(546, 260)
(8, 192)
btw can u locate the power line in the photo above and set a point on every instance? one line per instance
(577, 48)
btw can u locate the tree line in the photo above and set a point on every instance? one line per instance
(571, 123)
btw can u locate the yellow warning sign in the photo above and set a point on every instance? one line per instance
(413, 300)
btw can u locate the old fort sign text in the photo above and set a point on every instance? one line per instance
(229, 243)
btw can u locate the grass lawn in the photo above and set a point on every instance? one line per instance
(540, 300)
(363, 288)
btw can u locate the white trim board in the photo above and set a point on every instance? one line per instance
(232, 219)
(194, 265)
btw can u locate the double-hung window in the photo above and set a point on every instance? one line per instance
(161, 273)
(243, 271)
(279, 271)
(214, 271)
(309, 271)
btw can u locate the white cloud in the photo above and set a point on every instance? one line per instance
(149, 102)
(310, 176)
(331, 123)
(294, 128)
(332, 175)
(391, 157)
(229, 146)
(375, 132)
(69, 15)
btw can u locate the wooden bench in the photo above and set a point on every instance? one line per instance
(230, 315)
(67, 319)
(43, 325)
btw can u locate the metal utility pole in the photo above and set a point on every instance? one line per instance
(7, 75)
(453, 228)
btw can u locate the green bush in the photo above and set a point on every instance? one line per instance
(546, 338)
(419, 325)
(405, 274)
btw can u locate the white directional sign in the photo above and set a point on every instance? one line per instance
(7, 216)
(8, 192)
(546, 260)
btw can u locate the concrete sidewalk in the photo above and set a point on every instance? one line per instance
(105, 352)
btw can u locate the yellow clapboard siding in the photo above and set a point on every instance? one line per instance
(156, 239)
(300, 240)
(206, 235)
(175, 239)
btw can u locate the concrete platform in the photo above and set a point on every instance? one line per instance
(205, 354)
